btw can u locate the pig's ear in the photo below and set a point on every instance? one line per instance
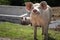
(28, 5)
(43, 5)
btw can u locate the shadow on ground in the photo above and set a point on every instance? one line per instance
(51, 38)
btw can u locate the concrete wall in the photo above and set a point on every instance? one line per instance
(12, 10)
(10, 19)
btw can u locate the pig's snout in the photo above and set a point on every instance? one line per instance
(34, 10)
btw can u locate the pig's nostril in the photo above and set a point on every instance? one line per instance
(34, 10)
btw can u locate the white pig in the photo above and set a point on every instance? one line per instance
(40, 15)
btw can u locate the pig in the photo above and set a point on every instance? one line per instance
(40, 15)
(25, 20)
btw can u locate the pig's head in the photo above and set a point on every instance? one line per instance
(30, 7)
(35, 8)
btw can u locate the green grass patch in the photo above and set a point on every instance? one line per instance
(24, 32)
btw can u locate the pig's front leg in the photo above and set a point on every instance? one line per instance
(35, 33)
(46, 32)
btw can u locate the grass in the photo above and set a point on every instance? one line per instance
(24, 32)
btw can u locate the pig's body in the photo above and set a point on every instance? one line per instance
(41, 18)
(36, 19)
(40, 15)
